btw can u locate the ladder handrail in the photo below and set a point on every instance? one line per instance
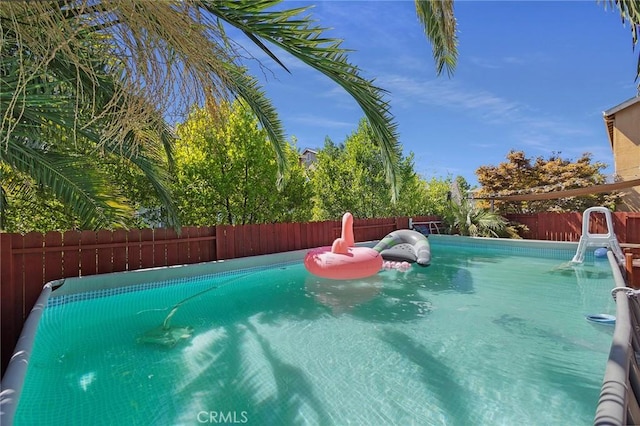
(587, 239)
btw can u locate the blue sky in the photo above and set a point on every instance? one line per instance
(531, 76)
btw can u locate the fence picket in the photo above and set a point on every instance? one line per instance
(297, 236)
(104, 254)
(52, 259)
(19, 262)
(252, 240)
(146, 248)
(33, 269)
(71, 253)
(184, 247)
(209, 248)
(33, 276)
(88, 253)
(223, 241)
(633, 229)
(119, 254)
(134, 256)
(172, 257)
(160, 247)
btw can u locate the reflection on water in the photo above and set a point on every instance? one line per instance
(450, 276)
(594, 270)
(343, 295)
(377, 298)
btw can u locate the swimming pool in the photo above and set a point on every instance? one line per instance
(488, 334)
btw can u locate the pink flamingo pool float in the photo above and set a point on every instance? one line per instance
(343, 261)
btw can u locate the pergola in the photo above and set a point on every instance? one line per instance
(596, 189)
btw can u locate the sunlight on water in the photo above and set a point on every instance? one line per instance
(476, 338)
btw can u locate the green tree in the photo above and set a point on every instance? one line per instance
(437, 197)
(30, 207)
(413, 199)
(226, 172)
(520, 174)
(350, 177)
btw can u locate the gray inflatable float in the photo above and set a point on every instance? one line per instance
(405, 245)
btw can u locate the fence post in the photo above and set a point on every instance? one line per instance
(402, 223)
(628, 257)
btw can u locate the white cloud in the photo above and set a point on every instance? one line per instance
(514, 60)
(483, 62)
(483, 145)
(319, 121)
(408, 92)
(517, 125)
(506, 61)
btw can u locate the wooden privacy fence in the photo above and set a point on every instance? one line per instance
(568, 226)
(29, 261)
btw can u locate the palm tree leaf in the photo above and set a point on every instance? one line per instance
(266, 50)
(71, 180)
(440, 27)
(50, 100)
(149, 163)
(630, 13)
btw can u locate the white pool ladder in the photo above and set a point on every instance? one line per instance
(588, 239)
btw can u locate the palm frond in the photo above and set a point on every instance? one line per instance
(149, 163)
(629, 13)
(47, 100)
(440, 27)
(70, 179)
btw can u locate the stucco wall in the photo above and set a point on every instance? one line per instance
(626, 153)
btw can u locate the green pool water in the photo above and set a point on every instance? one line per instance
(479, 337)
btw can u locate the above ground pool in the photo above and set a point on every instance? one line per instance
(489, 334)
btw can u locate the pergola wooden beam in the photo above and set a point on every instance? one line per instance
(596, 189)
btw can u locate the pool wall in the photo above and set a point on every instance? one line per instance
(106, 284)
(618, 403)
(13, 378)
(118, 280)
(551, 249)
